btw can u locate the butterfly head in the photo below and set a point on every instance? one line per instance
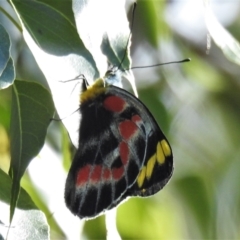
(113, 77)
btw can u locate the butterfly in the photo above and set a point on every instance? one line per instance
(122, 151)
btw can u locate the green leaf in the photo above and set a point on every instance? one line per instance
(55, 42)
(24, 201)
(62, 6)
(7, 71)
(32, 110)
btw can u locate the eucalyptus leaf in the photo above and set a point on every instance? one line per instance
(27, 221)
(24, 202)
(5, 46)
(228, 44)
(26, 224)
(32, 110)
(7, 71)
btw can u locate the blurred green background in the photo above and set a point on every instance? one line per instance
(197, 105)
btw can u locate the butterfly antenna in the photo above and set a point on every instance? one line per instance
(130, 34)
(126, 49)
(160, 64)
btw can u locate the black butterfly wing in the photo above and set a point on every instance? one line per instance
(118, 137)
(157, 159)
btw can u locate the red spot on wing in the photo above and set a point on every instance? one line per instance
(83, 175)
(114, 104)
(124, 152)
(117, 173)
(127, 129)
(106, 174)
(136, 118)
(96, 173)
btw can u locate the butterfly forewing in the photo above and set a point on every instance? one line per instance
(122, 152)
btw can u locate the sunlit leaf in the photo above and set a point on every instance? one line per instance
(111, 37)
(229, 45)
(26, 224)
(27, 221)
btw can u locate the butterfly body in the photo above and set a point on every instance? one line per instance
(122, 152)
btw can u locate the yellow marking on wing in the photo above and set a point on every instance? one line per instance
(166, 148)
(150, 165)
(141, 177)
(93, 91)
(160, 154)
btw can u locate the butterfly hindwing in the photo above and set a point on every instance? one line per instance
(121, 152)
(157, 161)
